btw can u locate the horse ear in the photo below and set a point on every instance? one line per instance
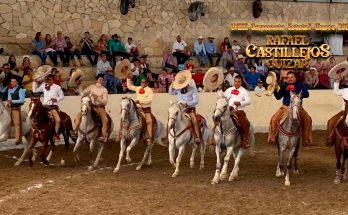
(300, 94)
(171, 102)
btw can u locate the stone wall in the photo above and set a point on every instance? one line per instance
(153, 24)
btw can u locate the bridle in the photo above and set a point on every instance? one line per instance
(176, 135)
(280, 126)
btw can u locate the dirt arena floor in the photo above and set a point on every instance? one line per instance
(73, 190)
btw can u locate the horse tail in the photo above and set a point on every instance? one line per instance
(162, 141)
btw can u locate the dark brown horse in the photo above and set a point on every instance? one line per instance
(42, 128)
(341, 146)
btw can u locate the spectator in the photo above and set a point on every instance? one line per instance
(331, 63)
(261, 69)
(180, 50)
(88, 49)
(224, 45)
(199, 51)
(319, 65)
(71, 50)
(103, 65)
(311, 78)
(210, 48)
(252, 78)
(189, 65)
(27, 82)
(135, 68)
(145, 67)
(49, 49)
(236, 48)
(156, 88)
(131, 48)
(324, 80)
(102, 44)
(164, 80)
(259, 87)
(38, 48)
(60, 46)
(198, 77)
(169, 61)
(8, 74)
(229, 77)
(26, 65)
(73, 90)
(111, 83)
(228, 58)
(116, 48)
(13, 64)
(57, 79)
(240, 67)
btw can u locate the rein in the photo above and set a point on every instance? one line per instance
(175, 135)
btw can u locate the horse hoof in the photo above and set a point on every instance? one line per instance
(295, 172)
(62, 162)
(174, 174)
(149, 163)
(17, 163)
(213, 182)
(287, 183)
(279, 174)
(192, 166)
(115, 170)
(128, 160)
(201, 168)
(90, 168)
(337, 181)
(223, 177)
(138, 168)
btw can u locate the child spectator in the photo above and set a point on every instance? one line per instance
(189, 65)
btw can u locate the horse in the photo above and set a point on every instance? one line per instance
(124, 6)
(195, 10)
(226, 135)
(88, 131)
(289, 134)
(341, 146)
(180, 133)
(7, 130)
(43, 130)
(131, 131)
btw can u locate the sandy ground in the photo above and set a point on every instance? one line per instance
(73, 190)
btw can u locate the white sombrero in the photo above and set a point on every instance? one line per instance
(213, 78)
(123, 69)
(74, 76)
(42, 72)
(341, 68)
(182, 79)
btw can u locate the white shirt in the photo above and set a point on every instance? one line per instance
(242, 97)
(129, 47)
(136, 71)
(230, 78)
(102, 67)
(259, 89)
(235, 48)
(181, 46)
(54, 92)
(341, 92)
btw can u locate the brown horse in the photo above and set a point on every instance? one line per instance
(341, 146)
(42, 128)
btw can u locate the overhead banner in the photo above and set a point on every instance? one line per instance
(245, 26)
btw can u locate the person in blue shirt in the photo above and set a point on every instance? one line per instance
(199, 51)
(38, 45)
(210, 49)
(14, 96)
(188, 96)
(111, 83)
(291, 85)
(252, 78)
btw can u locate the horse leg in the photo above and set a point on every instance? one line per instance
(218, 164)
(76, 149)
(50, 154)
(100, 151)
(281, 152)
(43, 152)
(30, 150)
(149, 160)
(227, 158)
(338, 164)
(146, 153)
(193, 154)
(66, 148)
(237, 156)
(171, 149)
(203, 146)
(25, 150)
(288, 165)
(120, 156)
(129, 148)
(295, 159)
(178, 160)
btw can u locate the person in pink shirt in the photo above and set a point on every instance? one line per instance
(319, 65)
(331, 63)
(60, 45)
(165, 79)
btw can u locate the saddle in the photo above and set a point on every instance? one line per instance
(201, 121)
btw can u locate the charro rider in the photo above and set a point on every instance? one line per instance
(188, 96)
(291, 85)
(144, 99)
(53, 94)
(99, 96)
(15, 97)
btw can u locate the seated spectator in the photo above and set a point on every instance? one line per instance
(25, 66)
(198, 77)
(259, 87)
(240, 67)
(27, 82)
(49, 49)
(103, 65)
(319, 65)
(57, 79)
(88, 49)
(156, 88)
(131, 48)
(189, 65)
(116, 48)
(136, 68)
(311, 78)
(145, 67)
(169, 61)
(111, 83)
(180, 50)
(329, 66)
(13, 64)
(72, 51)
(252, 78)
(324, 80)
(199, 51)
(38, 48)
(8, 75)
(102, 45)
(224, 45)
(210, 49)
(261, 69)
(229, 77)
(60, 45)
(228, 58)
(165, 79)
(236, 48)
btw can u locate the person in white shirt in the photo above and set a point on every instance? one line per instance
(229, 78)
(180, 50)
(259, 87)
(131, 48)
(53, 94)
(238, 98)
(236, 48)
(135, 68)
(199, 51)
(103, 65)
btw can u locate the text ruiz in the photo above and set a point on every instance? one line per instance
(288, 52)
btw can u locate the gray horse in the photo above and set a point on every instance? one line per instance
(196, 9)
(289, 134)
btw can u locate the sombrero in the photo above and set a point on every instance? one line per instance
(42, 71)
(271, 80)
(240, 57)
(74, 76)
(182, 79)
(338, 69)
(123, 69)
(223, 70)
(213, 78)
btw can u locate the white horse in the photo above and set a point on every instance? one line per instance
(131, 131)
(180, 134)
(88, 131)
(226, 135)
(7, 130)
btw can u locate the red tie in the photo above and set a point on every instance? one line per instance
(235, 92)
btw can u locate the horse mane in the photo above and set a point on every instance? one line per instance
(134, 105)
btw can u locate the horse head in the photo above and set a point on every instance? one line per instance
(221, 109)
(295, 104)
(195, 9)
(345, 111)
(86, 104)
(127, 106)
(174, 113)
(34, 107)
